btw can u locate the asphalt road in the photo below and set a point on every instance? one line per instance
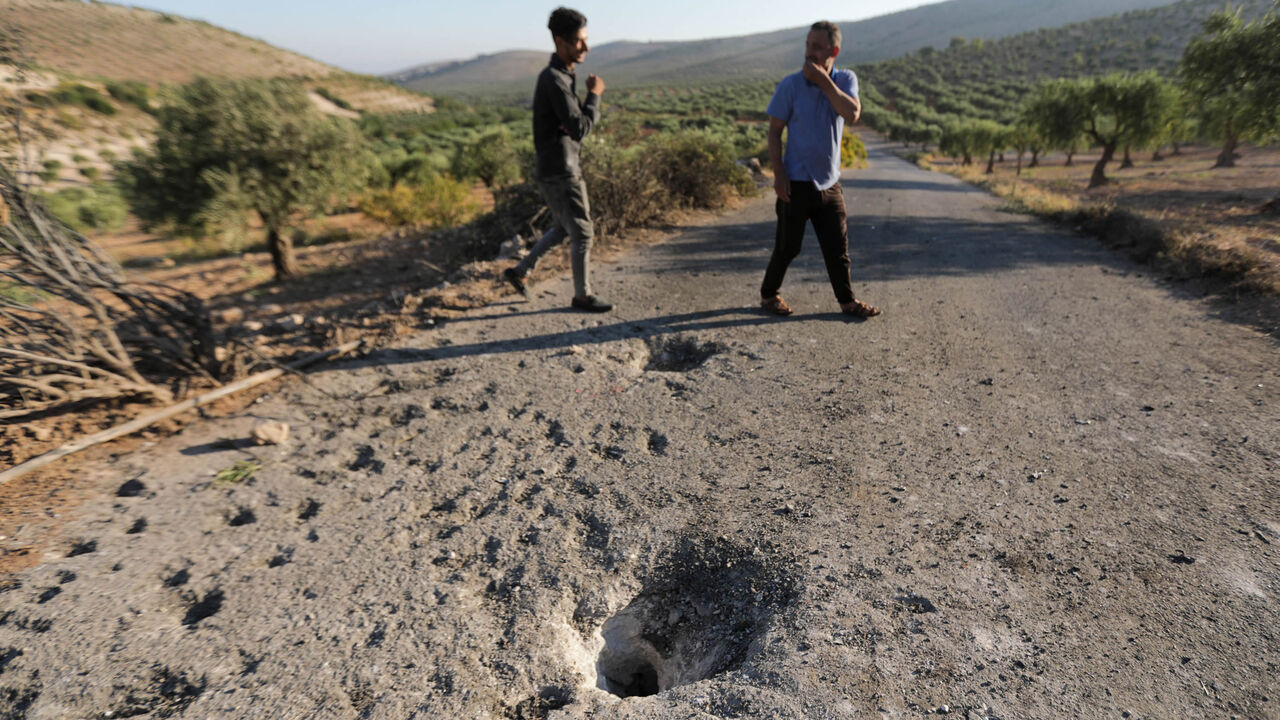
(1041, 484)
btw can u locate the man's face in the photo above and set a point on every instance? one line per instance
(818, 50)
(573, 50)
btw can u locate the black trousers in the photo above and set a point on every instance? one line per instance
(825, 209)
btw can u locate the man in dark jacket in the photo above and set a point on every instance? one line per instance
(560, 123)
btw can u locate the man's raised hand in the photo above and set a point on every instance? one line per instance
(595, 84)
(813, 72)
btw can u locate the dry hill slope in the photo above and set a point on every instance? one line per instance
(123, 43)
(102, 41)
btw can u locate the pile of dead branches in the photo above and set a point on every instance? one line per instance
(73, 329)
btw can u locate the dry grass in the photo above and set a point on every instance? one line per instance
(1176, 213)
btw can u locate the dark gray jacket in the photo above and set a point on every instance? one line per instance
(559, 121)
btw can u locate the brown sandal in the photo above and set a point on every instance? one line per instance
(857, 308)
(776, 305)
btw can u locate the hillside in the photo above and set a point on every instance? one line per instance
(98, 41)
(768, 55)
(988, 79)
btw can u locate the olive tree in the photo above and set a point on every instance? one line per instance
(227, 149)
(1232, 73)
(1113, 111)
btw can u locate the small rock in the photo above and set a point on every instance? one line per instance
(511, 249)
(221, 354)
(166, 262)
(229, 316)
(674, 616)
(252, 326)
(272, 309)
(41, 434)
(576, 350)
(271, 432)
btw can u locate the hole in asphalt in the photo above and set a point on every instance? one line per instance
(696, 618)
(679, 353)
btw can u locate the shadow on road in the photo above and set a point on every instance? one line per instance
(856, 183)
(882, 247)
(642, 329)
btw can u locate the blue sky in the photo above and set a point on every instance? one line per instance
(378, 36)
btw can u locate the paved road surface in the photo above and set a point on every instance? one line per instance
(1041, 485)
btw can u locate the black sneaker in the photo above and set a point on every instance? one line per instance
(591, 303)
(516, 280)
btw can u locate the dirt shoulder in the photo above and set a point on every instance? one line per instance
(1216, 224)
(1035, 487)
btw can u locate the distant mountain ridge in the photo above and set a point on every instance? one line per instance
(766, 55)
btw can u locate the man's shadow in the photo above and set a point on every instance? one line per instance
(641, 329)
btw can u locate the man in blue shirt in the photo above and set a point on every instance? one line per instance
(812, 106)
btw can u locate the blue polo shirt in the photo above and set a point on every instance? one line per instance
(813, 127)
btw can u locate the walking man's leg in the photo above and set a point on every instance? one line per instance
(830, 224)
(567, 199)
(549, 239)
(788, 236)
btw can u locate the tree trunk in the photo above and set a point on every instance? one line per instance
(1227, 158)
(1035, 159)
(1177, 149)
(1128, 161)
(1019, 172)
(991, 162)
(968, 160)
(1156, 156)
(1099, 177)
(282, 258)
(1070, 154)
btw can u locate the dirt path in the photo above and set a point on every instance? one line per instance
(1041, 485)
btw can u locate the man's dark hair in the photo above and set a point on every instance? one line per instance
(566, 23)
(831, 29)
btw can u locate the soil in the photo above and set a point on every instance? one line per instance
(1041, 484)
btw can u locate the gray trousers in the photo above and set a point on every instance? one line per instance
(566, 198)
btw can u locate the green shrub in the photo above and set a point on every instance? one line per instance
(324, 93)
(490, 157)
(90, 172)
(439, 202)
(853, 152)
(82, 96)
(698, 170)
(131, 91)
(100, 105)
(624, 186)
(98, 207)
(49, 173)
